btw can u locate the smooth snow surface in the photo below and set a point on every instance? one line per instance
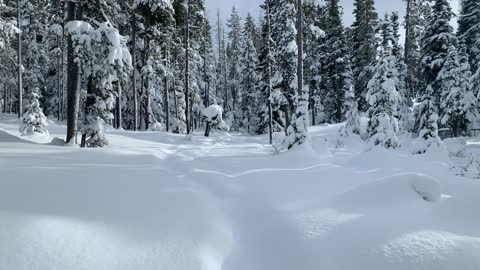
(158, 201)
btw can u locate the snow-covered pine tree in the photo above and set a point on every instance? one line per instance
(297, 131)
(438, 38)
(34, 121)
(158, 17)
(427, 119)
(460, 110)
(383, 99)
(249, 77)
(233, 63)
(416, 20)
(208, 68)
(364, 48)
(315, 19)
(337, 72)
(469, 30)
(105, 61)
(398, 71)
(266, 60)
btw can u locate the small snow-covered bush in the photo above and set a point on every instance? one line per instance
(213, 117)
(156, 126)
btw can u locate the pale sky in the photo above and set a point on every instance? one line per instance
(252, 6)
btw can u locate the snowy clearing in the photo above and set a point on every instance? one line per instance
(158, 201)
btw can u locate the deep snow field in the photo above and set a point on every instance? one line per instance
(154, 201)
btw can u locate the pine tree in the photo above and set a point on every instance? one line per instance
(248, 77)
(469, 30)
(416, 21)
(34, 121)
(427, 119)
(383, 99)
(284, 32)
(364, 48)
(265, 67)
(297, 131)
(337, 72)
(437, 40)
(158, 18)
(315, 20)
(459, 105)
(233, 63)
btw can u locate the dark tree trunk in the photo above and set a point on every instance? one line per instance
(72, 79)
(269, 75)
(187, 68)
(88, 104)
(207, 130)
(147, 109)
(19, 62)
(118, 116)
(134, 74)
(166, 102)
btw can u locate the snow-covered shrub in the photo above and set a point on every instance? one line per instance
(156, 126)
(34, 121)
(352, 125)
(213, 117)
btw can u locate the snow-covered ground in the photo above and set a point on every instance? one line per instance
(160, 201)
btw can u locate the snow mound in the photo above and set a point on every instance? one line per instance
(396, 192)
(432, 250)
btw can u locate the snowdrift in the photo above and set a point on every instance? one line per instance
(157, 201)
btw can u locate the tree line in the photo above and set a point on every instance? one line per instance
(158, 65)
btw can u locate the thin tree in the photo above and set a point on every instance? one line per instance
(72, 79)
(19, 61)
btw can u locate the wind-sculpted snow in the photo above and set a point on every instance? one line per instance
(158, 201)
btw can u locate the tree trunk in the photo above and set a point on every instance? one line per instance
(207, 130)
(269, 75)
(90, 101)
(72, 79)
(118, 117)
(147, 109)
(187, 69)
(19, 62)
(300, 48)
(134, 74)
(59, 83)
(165, 83)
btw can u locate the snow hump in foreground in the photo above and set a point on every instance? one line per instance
(396, 192)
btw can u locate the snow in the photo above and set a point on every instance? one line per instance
(151, 200)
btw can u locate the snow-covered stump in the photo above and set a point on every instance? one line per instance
(213, 117)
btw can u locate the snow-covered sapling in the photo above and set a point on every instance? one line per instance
(34, 121)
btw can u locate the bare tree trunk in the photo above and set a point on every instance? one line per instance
(187, 68)
(165, 83)
(62, 70)
(59, 82)
(147, 109)
(134, 74)
(19, 58)
(225, 78)
(269, 75)
(72, 80)
(300, 48)
(118, 117)
(90, 101)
